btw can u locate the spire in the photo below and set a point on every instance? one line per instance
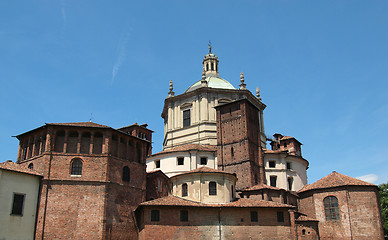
(242, 85)
(210, 63)
(171, 92)
(258, 93)
(203, 80)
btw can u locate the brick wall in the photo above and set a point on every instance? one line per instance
(204, 224)
(238, 138)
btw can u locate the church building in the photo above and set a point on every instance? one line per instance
(214, 178)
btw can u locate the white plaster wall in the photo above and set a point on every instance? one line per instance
(298, 170)
(192, 160)
(203, 119)
(198, 187)
(18, 227)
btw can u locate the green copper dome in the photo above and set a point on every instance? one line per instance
(212, 82)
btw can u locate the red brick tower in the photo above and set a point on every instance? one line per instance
(94, 177)
(239, 145)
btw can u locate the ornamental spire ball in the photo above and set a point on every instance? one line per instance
(171, 92)
(258, 93)
(242, 85)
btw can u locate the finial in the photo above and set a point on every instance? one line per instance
(91, 117)
(203, 81)
(258, 93)
(242, 85)
(210, 47)
(171, 92)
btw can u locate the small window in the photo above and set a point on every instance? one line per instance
(254, 217)
(157, 163)
(155, 216)
(180, 160)
(232, 152)
(285, 145)
(159, 185)
(288, 166)
(18, 204)
(272, 164)
(304, 232)
(76, 167)
(126, 174)
(280, 216)
(272, 180)
(186, 118)
(184, 216)
(212, 188)
(331, 208)
(203, 160)
(184, 190)
(290, 181)
(31, 166)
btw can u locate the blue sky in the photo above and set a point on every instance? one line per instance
(322, 68)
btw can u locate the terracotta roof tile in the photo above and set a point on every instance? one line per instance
(80, 124)
(204, 170)
(304, 218)
(11, 166)
(261, 186)
(188, 147)
(242, 202)
(335, 179)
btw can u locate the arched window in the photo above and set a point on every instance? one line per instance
(331, 208)
(126, 174)
(212, 188)
(76, 167)
(31, 166)
(184, 190)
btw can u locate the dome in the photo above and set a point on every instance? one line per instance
(212, 82)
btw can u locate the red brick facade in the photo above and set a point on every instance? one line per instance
(238, 140)
(96, 202)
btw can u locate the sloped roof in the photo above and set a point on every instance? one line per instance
(335, 179)
(242, 202)
(261, 186)
(12, 166)
(204, 170)
(80, 124)
(304, 218)
(188, 147)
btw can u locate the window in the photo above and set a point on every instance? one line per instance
(31, 166)
(17, 205)
(126, 174)
(180, 160)
(272, 180)
(288, 165)
(186, 118)
(254, 217)
(272, 164)
(212, 188)
(280, 216)
(159, 185)
(304, 232)
(203, 160)
(331, 208)
(285, 145)
(157, 163)
(184, 190)
(76, 167)
(290, 180)
(232, 152)
(184, 216)
(155, 216)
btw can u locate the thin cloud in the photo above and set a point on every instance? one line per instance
(370, 178)
(121, 56)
